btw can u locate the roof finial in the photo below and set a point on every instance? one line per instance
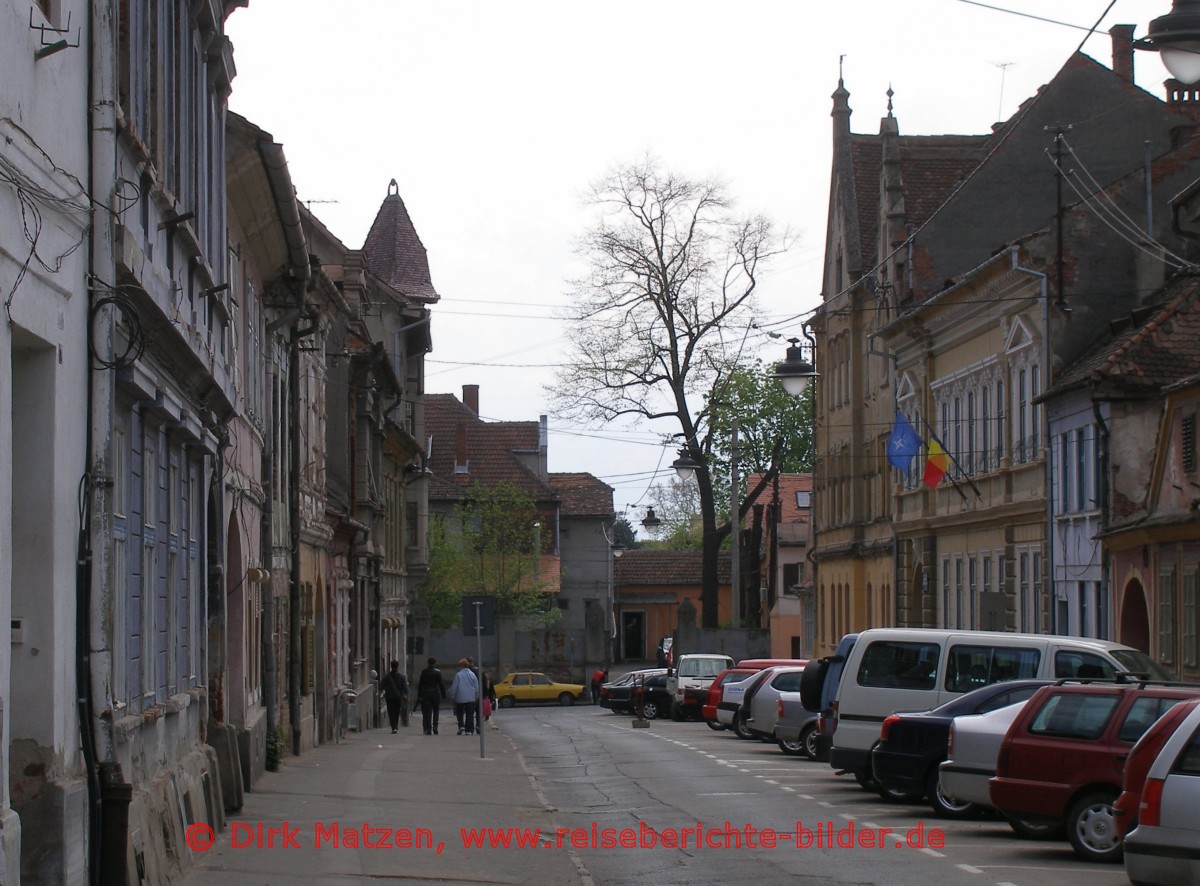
(841, 59)
(393, 188)
(889, 95)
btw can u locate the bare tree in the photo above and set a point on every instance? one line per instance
(661, 317)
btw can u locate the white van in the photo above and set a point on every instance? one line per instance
(689, 679)
(915, 669)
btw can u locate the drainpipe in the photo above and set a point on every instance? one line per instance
(1104, 457)
(1047, 449)
(109, 795)
(284, 193)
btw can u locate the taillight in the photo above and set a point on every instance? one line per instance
(779, 712)
(833, 716)
(950, 742)
(1150, 809)
(887, 727)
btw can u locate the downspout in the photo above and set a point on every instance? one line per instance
(1047, 449)
(1102, 494)
(109, 795)
(284, 193)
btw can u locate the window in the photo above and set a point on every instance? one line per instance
(1082, 454)
(1142, 714)
(985, 407)
(1187, 443)
(1023, 591)
(971, 433)
(1066, 471)
(969, 667)
(1022, 448)
(1189, 618)
(903, 665)
(1166, 613)
(1082, 665)
(1074, 715)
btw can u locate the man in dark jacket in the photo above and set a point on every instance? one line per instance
(430, 692)
(395, 695)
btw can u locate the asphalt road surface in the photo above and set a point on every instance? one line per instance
(678, 803)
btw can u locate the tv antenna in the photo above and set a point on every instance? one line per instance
(1003, 66)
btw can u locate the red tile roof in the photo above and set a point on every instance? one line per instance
(491, 450)
(583, 495)
(1153, 348)
(394, 251)
(655, 567)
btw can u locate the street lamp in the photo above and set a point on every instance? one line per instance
(1176, 38)
(794, 372)
(651, 521)
(685, 466)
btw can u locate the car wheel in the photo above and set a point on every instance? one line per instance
(866, 781)
(898, 795)
(808, 738)
(1092, 829)
(739, 727)
(649, 710)
(791, 748)
(714, 725)
(566, 698)
(944, 805)
(1035, 830)
(506, 701)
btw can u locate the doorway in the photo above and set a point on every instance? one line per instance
(633, 636)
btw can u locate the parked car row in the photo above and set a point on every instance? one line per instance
(1062, 737)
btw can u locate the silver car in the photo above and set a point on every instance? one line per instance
(796, 728)
(971, 758)
(760, 702)
(1165, 846)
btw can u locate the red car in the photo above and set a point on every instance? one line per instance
(730, 675)
(1141, 758)
(1062, 759)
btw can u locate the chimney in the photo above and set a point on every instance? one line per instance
(1122, 51)
(471, 395)
(461, 465)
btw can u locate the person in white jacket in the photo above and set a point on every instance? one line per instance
(464, 692)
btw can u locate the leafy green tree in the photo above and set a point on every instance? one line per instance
(489, 546)
(774, 429)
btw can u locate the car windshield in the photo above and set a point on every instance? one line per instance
(702, 667)
(1141, 664)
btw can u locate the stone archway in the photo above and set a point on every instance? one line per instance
(1135, 619)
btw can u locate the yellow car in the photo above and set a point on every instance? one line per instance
(532, 686)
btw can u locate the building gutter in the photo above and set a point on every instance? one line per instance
(1047, 449)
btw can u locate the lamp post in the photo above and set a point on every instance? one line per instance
(1176, 38)
(794, 372)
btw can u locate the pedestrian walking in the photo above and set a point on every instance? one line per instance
(464, 693)
(395, 695)
(430, 693)
(599, 678)
(488, 694)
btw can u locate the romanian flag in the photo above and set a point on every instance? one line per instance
(936, 463)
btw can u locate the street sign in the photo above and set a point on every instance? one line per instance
(483, 608)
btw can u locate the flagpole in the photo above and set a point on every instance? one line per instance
(955, 461)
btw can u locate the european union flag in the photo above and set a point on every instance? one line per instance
(904, 443)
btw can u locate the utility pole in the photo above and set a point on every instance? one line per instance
(734, 529)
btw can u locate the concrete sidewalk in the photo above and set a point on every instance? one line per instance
(426, 788)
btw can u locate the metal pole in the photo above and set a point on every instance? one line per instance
(478, 604)
(734, 527)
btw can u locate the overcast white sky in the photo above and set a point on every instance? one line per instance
(494, 115)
